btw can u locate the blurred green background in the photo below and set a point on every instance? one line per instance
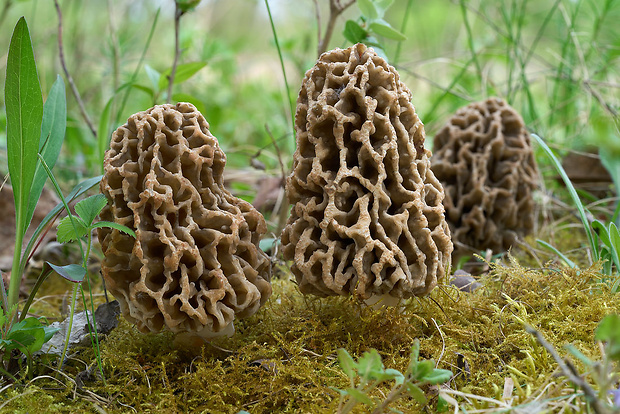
(555, 61)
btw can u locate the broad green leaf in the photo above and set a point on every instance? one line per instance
(144, 89)
(608, 329)
(53, 128)
(24, 112)
(417, 393)
(119, 227)
(49, 332)
(369, 363)
(153, 75)
(187, 5)
(72, 272)
(413, 358)
(368, 9)
(611, 162)
(347, 363)
(104, 129)
(383, 28)
(388, 374)
(437, 376)
(359, 396)
(182, 73)
(442, 404)
(89, 208)
(425, 367)
(382, 6)
(28, 335)
(353, 32)
(67, 232)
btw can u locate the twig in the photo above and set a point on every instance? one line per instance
(74, 90)
(177, 20)
(569, 371)
(317, 12)
(335, 10)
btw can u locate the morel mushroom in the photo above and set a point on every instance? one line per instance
(367, 216)
(484, 159)
(195, 263)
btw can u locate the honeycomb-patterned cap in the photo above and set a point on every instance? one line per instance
(195, 263)
(367, 216)
(484, 159)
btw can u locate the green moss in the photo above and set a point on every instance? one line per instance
(283, 358)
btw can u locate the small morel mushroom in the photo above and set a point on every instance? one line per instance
(195, 263)
(367, 216)
(484, 159)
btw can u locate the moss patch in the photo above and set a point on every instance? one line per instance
(283, 358)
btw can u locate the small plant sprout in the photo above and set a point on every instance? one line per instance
(368, 372)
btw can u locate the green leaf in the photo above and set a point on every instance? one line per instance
(442, 404)
(53, 128)
(24, 113)
(347, 363)
(437, 376)
(578, 354)
(369, 364)
(182, 73)
(383, 28)
(359, 396)
(574, 196)
(119, 227)
(187, 5)
(608, 331)
(386, 375)
(153, 75)
(413, 358)
(561, 255)
(28, 336)
(382, 6)
(49, 332)
(72, 272)
(368, 9)
(424, 368)
(417, 393)
(89, 208)
(353, 32)
(66, 232)
(339, 391)
(614, 237)
(601, 232)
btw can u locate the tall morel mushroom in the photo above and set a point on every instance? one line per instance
(195, 263)
(367, 216)
(484, 159)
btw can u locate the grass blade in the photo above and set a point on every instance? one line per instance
(24, 112)
(574, 196)
(561, 255)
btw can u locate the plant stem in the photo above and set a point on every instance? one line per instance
(403, 26)
(74, 90)
(177, 23)
(69, 327)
